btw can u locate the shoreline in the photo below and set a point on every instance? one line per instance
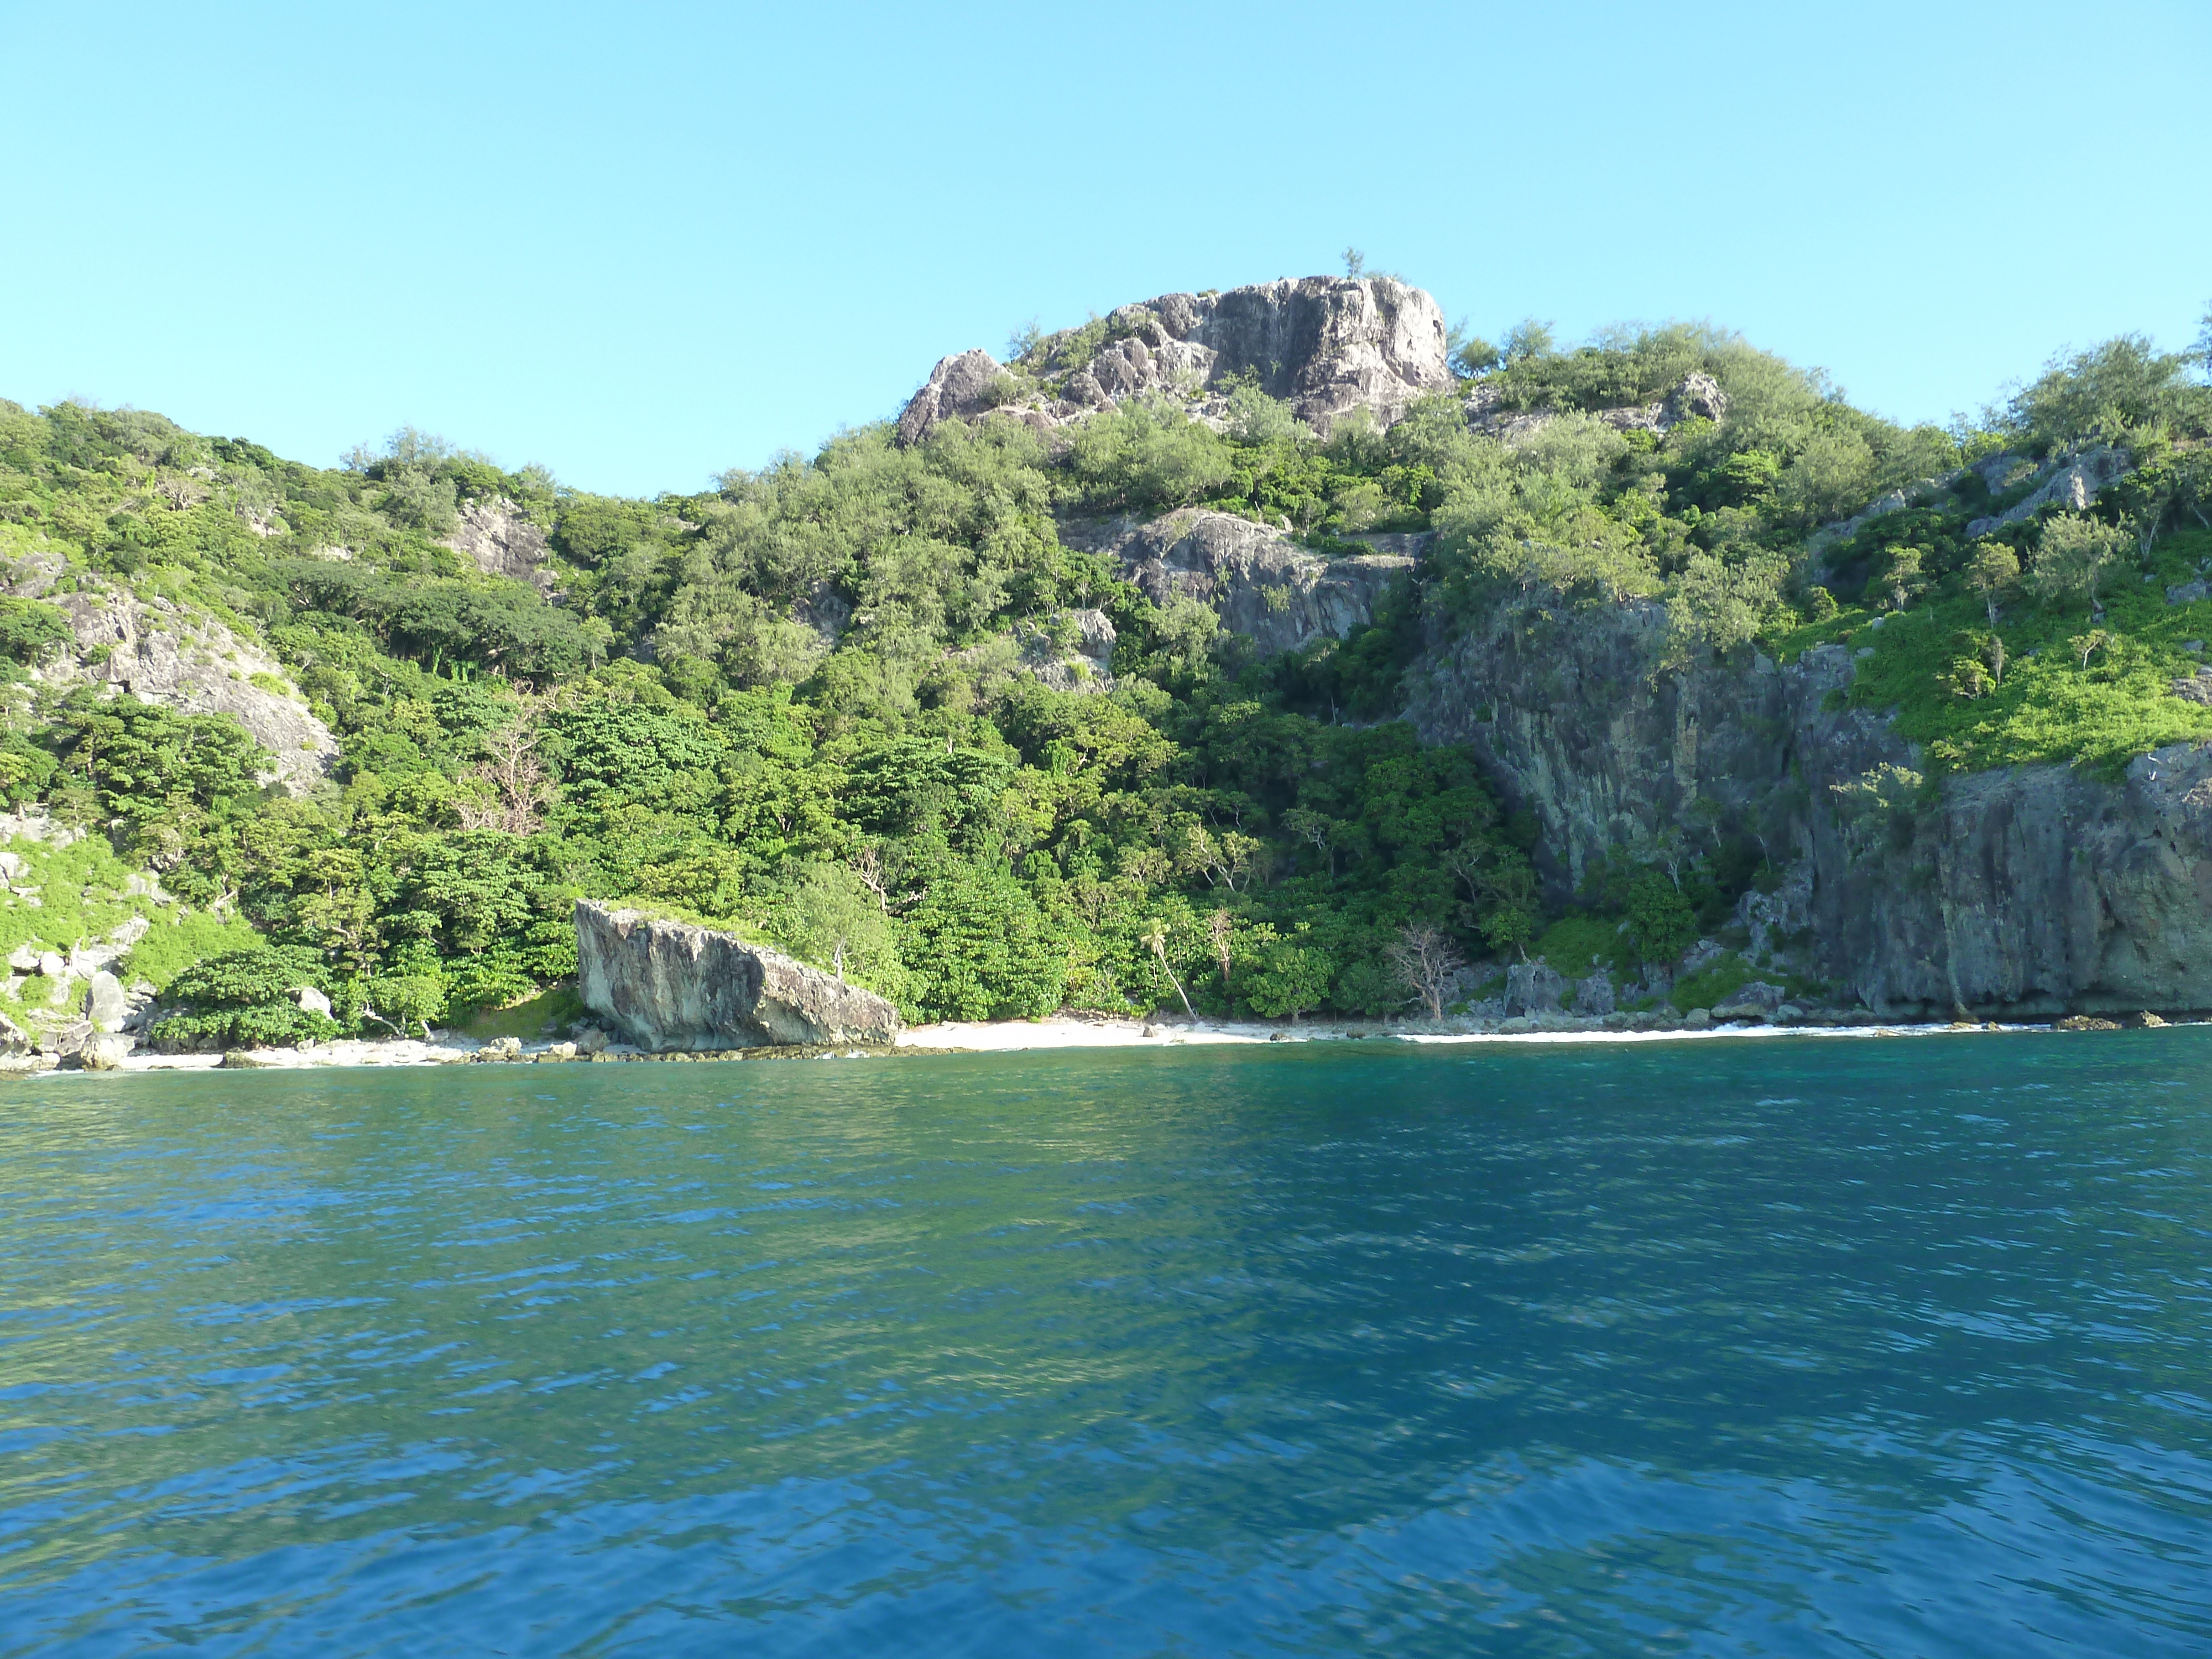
(1014, 1037)
(1061, 1032)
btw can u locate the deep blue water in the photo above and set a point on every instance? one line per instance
(1820, 1347)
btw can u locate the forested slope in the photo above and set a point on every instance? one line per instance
(880, 707)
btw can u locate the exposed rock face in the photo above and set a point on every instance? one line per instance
(671, 985)
(1533, 987)
(105, 1003)
(1260, 583)
(2025, 891)
(2075, 484)
(957, 387)
(502, 542)
(163, 655)
(1326, 346)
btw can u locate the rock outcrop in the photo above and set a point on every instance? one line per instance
(502, 542)
(959, 387)
(1328, 346)
(1084, 663)
(162, 654)
(2024, 891)
(674, 985)
(1698, 397)
(2074, 482)
(1259, 582)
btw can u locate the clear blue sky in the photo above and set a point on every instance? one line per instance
(641, 243)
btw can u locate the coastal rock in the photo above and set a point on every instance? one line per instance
(107, 1004)
(67, 1037)
(1755, 1000)
(1594, 995)
(309, 1000)
(1533, 987)
(2023, 892)
(674, 985)
(105, 1053)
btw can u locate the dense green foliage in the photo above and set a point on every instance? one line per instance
(690, 726)
(800, 701)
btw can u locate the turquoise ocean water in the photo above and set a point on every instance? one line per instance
(1804, 1347)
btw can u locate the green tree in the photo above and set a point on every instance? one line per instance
(1292, 979)
(824, 913)
(979, 948)
(2072, 556)
(1994, 569)
(244, 999)
(29, 629)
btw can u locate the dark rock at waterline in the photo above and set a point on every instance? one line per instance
(675, 985)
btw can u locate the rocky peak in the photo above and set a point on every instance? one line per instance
(1327, 345)
(959, 387)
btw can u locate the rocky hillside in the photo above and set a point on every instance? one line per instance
(1258, 652)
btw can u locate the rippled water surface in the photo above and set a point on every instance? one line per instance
(1805, 1347)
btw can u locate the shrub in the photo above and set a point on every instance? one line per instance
(243, 999)
(28, 628)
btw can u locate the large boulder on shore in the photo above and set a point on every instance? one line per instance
(675, 985)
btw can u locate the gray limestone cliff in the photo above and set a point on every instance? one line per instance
(2024, 891)
(675, 985)
(1326, 346)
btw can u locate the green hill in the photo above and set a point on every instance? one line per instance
(903, 707)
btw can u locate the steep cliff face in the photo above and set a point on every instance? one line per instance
(671, 985)
(1328, 346)
(2028, 890)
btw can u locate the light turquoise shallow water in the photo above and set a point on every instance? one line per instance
(1788, 1348)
